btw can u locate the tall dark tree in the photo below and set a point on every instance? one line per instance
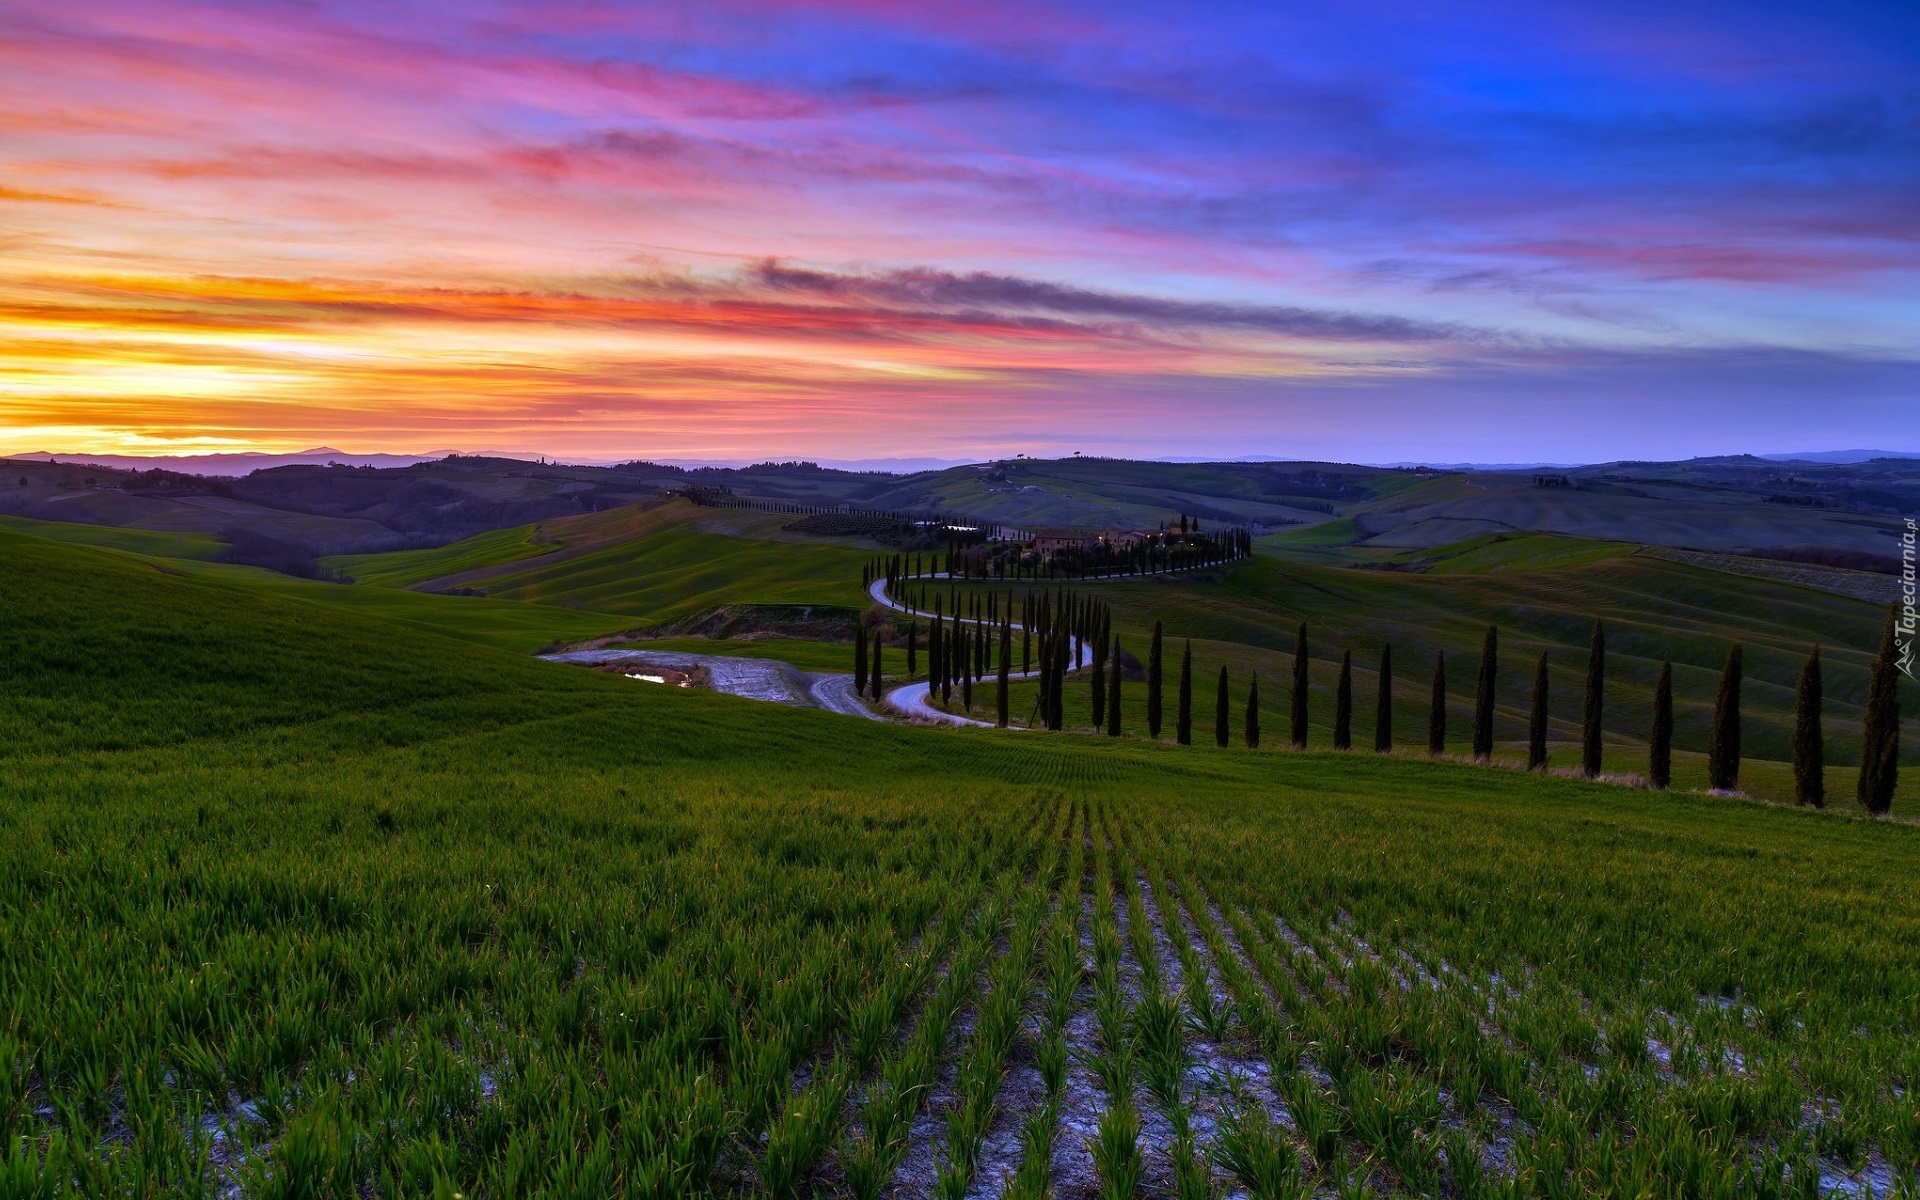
(1343, 705)
(1383, 712)
(1809, 747)
(966, 679)
(1155, 681)
(1222, 721)
(1880, 731)
(1723, 746)
(1660, 740)
(1299, 713)
(1252, 731)
(1006, 670)
(1099, 680)
(913, 649)
(1593, 702)
(936, 649)
(859, 662)
(1113, 693)
(1537, 719)
(949, 663)
(1058, 707)
(875, 673)
(1183, 718)
(1437, 707)
(1483, 695)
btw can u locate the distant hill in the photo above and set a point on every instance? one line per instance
(1724, 504)
(1840, 456)
(240, 463)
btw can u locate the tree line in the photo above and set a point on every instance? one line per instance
(1880, 733)
(1014, 560)
(972, 636)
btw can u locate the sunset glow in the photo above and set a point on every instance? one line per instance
(857, 230)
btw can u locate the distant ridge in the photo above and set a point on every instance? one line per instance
(236, 463)
(240, 463)
(1840, 457)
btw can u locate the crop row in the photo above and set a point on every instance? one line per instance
(1097, 1004)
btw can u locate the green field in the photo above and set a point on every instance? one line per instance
(198, 546)
(404, 568)
(319, 890)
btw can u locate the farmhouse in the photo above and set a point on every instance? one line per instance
(1052, 541)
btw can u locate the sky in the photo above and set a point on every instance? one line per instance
(1380, 230)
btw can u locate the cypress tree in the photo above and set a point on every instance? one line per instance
(1154, 683)
(1253, 713)
(875, 673)
(966, 688)
(1221, 719)
(947, 653)
(1061, 642)
(1593, 703)
(1483, 696)
(1809, 751)
(1383, 714)
(1880, 731)
(935, 648)
(1113, 694)
(1183, 718)
(1723, 748)
(1343, 705)
(1299, 713)
(859, 662)
(1660, 742)
(913, 650)
(1437, 707)
(1098, 676)
(1006, 666)
(1537, 719)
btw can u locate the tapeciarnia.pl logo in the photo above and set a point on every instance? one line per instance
(1904, 627)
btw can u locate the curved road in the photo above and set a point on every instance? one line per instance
(913, 699)
(782, 683)
(736, 675)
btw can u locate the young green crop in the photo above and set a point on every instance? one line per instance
(299, 901)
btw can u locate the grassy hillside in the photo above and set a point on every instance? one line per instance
(198, 546)
(671, 560)
(295, 899)
(405, 568)
(1100, 492)
(1455, 507)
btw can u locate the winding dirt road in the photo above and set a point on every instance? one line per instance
(782, 683)
(753, 678)
(914, 699)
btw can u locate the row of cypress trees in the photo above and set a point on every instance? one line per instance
(1059, 629)
(962, 651)
(1880, 748)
